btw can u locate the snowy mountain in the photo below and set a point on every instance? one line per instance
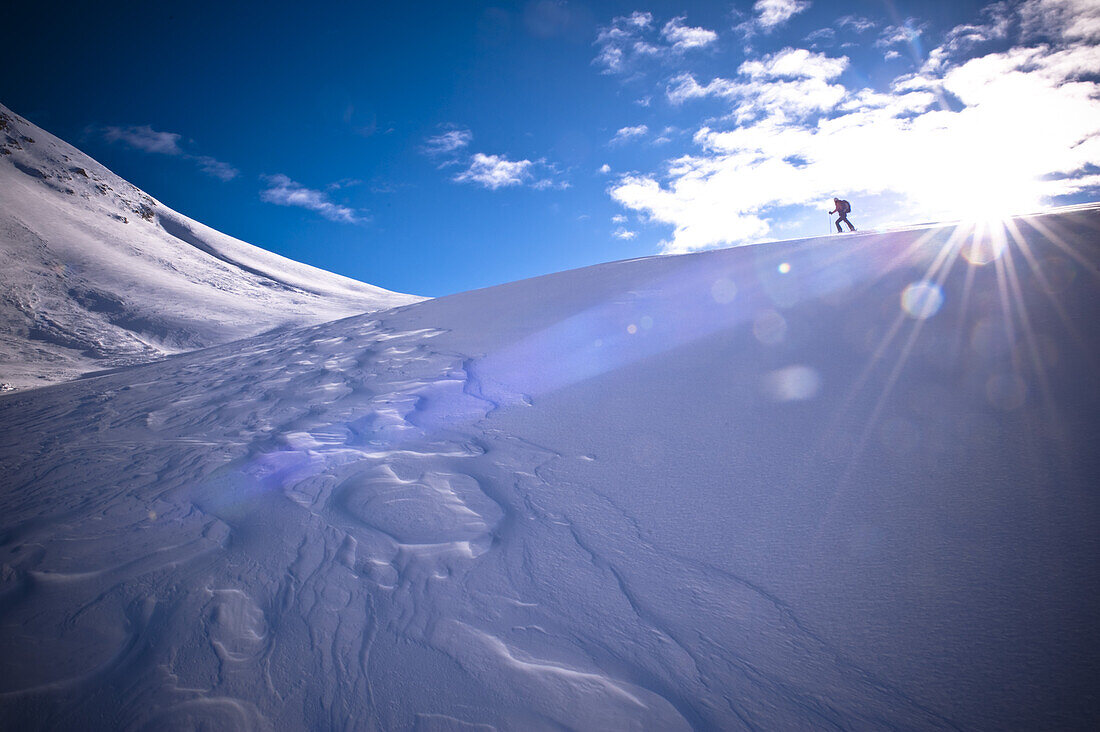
(99, 274)
(842, 483)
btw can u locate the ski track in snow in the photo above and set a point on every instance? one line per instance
(351, 498)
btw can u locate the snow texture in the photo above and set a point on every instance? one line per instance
(98, 274)
(841, 483)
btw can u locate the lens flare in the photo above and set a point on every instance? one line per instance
(769, 327)
(723, 290)
(986, 244)
(921, 300)
(792, 384)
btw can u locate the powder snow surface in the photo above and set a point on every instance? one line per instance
(838, 483)
(98, 274)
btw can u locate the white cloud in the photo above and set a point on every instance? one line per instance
(343, 183)
(605, 168)
(618, 219)
(684, 87)
(896, 35)
(448, 143)
(215, 168)
(793, 82)
(859, 25)
(624, 233)
(966, 36)
(631, 38)
(146, 139)
(283, 191)
(1028, 131)
(1051, 21)
(770, 14)
(628, 133)
(616, 40)
(683, 37)
(486, 170)
(1074, 20)
(795, 63)
(497, 171)
(823, 36)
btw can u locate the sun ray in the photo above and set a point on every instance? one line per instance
(1061, 243)
(900, 320)
(964, 305)
(906, 254)
(1060, 439)
(1029, 332)
(938, 270)
(1049, 291)
(1002, 299)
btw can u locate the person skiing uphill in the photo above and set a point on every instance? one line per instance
(843, 208)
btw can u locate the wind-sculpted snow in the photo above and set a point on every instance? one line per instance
(841, 483)
(99, 274)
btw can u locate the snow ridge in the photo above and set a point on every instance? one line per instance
(101, 274)
(809, 484)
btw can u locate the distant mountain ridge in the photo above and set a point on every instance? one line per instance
(100, 274)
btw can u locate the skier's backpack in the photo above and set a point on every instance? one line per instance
(844, 207)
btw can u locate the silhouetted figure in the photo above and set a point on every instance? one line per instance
(843, 208)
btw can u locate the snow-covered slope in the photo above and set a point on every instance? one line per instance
(99, 274)
(839, 483)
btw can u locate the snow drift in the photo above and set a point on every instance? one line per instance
(99, 274)
(837, 483)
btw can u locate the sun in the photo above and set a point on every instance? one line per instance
(983, 240)
(990, 197)
(985, 210)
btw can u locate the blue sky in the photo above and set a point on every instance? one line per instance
(439, 147)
